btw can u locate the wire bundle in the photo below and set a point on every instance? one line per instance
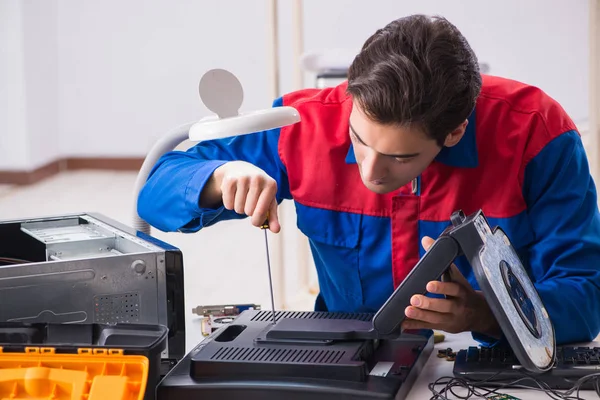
(486, 389)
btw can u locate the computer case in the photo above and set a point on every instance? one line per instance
(87, 268)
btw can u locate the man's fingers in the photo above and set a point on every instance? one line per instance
(252, 198)
(228, 188)
(263, 205)
(273, 217)
(426, 242)
(454, 289)
(457, 277)
(408, 324)
(240, 196)
(431, 304)
(451, 289)
(431, 317)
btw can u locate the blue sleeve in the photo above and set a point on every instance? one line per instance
(170, 197)
(565, 255)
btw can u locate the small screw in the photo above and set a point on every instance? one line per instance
(448, 354)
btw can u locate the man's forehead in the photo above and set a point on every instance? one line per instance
(387, 152)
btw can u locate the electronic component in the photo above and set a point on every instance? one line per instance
(216, 316)
(238, 361)
(500, 365)
(87, 268)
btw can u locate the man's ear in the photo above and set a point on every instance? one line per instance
(454, 137)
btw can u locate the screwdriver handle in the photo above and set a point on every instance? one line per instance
(265, 224)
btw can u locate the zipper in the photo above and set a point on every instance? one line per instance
(416, 186)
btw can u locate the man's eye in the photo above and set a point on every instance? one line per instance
(403, 160)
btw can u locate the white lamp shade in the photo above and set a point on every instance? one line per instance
(214, 127)
(222, 93)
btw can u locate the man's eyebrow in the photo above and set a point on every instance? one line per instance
(388, 155)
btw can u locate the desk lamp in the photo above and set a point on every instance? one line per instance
(222, 93)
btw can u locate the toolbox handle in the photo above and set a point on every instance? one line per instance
(82, 334)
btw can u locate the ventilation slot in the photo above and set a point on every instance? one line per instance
(268, 315)
(117, 308)
(280, 355)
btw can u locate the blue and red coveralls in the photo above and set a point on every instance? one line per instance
(521, 161)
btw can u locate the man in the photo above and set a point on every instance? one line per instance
(378, 164)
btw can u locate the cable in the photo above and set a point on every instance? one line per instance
(12, 261)
(484, 388)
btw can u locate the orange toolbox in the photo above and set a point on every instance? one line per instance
(80, 361)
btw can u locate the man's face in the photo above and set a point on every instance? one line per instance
(389, 157)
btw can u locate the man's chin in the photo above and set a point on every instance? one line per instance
(380, 189)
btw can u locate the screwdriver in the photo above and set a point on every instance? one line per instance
(265, 227)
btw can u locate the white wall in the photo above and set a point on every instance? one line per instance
(41, 80)
(28, 84)
(89, 78)
(129, 71)
(541, 42)
(14, 146)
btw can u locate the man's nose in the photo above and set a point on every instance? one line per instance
(373, 167)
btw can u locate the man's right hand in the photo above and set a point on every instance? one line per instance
(245, 188)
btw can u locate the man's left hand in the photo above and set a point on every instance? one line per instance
(463, 309)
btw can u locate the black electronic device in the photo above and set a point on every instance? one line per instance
(327, 355)
(234, 363)
(500, 366)
(509, 291)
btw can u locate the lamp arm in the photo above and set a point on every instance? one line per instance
(165, 144)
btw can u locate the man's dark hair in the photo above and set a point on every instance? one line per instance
(417, 71)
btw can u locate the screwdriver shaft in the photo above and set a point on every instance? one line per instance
(270, 279)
